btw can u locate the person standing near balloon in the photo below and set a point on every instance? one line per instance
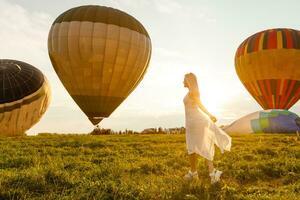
(201, 132)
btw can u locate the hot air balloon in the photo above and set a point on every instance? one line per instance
(268, 64)
(266, 121)
(100, 55)
(24, 97)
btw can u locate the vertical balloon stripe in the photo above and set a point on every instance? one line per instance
(114, 62)
(272, 40)
(256, 42)
(292, 101)
(136, 52)
(294, 39)
(111, 48)
(146, 58)
(263, 101)
(297, 39)
(241, 49)
(71, 47)
(295, 88)
(295, 98)
(282, 83)
(273, 85)
(262, 89)
(278, 85)
(248, 86)
(258, 99)
(283, 93)
(261, 41)
(268, 86)
(252, 88)
(245, 48)
(137, 71)
(273, 101)
(257, 88)
(265, 40)
(290, 88)
(284, 39)
(279, 40)
(126, 36)
(250, 44)
(289, 39)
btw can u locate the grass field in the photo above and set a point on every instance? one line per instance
(145, 167)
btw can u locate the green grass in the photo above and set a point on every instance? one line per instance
(145, 167)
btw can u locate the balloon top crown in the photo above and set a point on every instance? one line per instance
(270, 39)
(17, 80)
(9, 66)
(101, 14)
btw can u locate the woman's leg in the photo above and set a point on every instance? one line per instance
(210, 165)
(193, 162)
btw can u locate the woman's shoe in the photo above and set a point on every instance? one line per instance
(215, 176)
(191, 175)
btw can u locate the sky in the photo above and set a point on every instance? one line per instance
(199, 36)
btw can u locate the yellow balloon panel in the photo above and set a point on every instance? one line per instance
(18, 116)
(269, 64)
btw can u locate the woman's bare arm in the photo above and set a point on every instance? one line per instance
(202, 107)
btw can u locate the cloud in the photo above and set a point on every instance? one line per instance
(167, 6)
(186, 10)
(23, 34)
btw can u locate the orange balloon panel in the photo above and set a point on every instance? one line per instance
(100, 54)
(267, 63)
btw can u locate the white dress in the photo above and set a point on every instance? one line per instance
(202, 133)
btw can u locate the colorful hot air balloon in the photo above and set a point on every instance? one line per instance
(24, 97)
(100, 54)
(268, 64)
(266, 121)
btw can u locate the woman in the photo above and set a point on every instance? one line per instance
(201, 131)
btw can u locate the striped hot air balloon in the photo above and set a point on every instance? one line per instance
(100, 54)
(24, 97)
(268, 64)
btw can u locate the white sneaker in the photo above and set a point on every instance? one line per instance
(191, 175)
(215, 176)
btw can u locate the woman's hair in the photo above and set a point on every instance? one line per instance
(192, 84)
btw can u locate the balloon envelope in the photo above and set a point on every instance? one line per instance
(268, 64)
(24, 97)
(100, 54)
(266, 121)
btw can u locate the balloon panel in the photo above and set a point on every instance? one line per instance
(267, 121)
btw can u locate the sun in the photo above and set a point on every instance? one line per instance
(213, 97)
